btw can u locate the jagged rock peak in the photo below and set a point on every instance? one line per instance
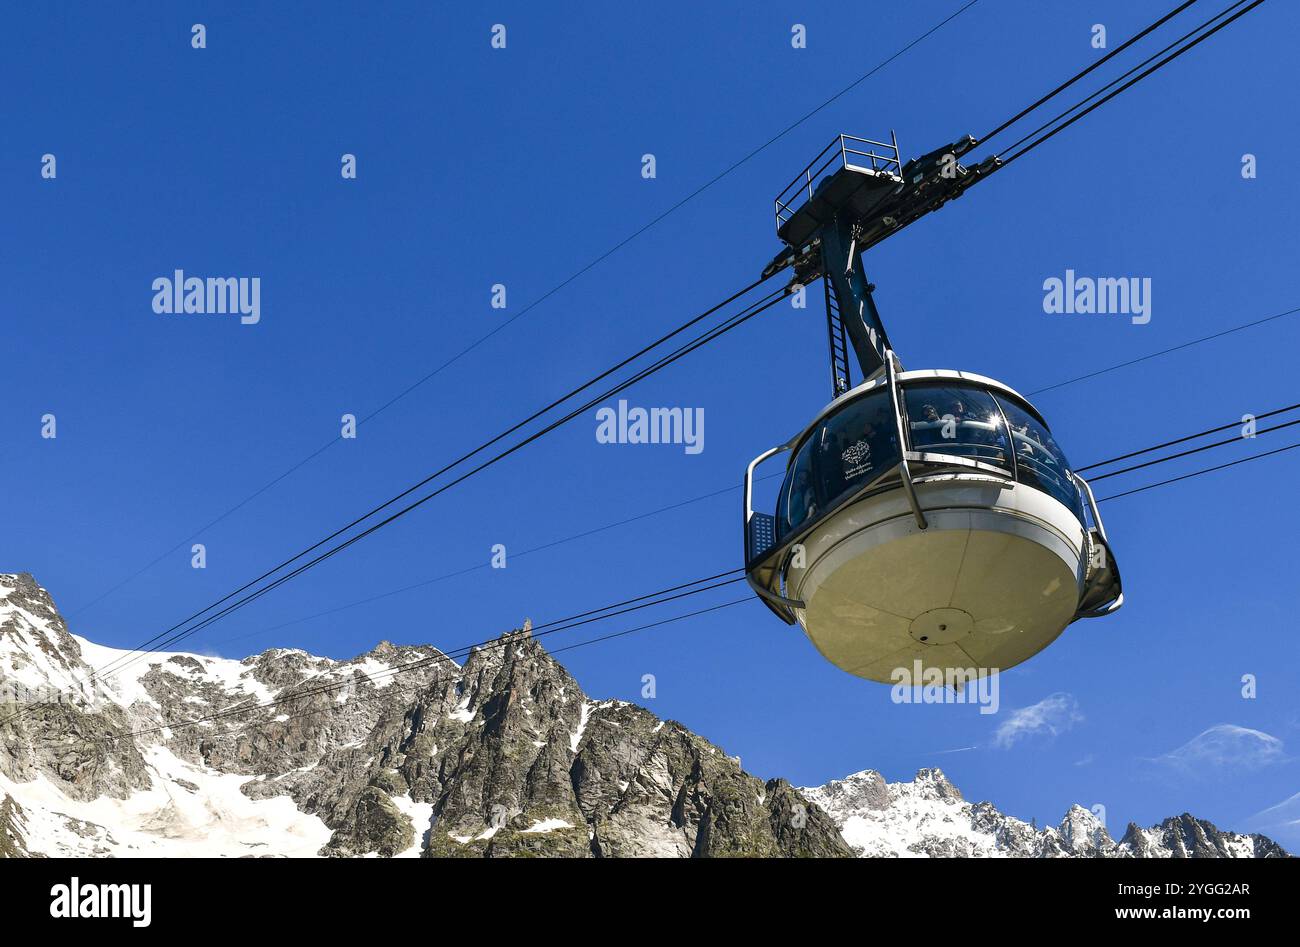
(502, 756)
(928, 817)
(1186, 836)
(1082, 833)
(934, 784)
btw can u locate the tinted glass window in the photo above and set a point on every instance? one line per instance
(951, 419)
(856, 446)
(1040, 462)
(798, 500)
(846, 452)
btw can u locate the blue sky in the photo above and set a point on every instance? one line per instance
(519, 166)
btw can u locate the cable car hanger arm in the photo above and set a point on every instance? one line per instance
(841, 206)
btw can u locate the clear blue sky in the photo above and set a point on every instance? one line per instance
(520, 166)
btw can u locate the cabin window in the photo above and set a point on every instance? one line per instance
(956, 420)
(856, 446)
(798, 501)
(850, 449)
(1040, 462)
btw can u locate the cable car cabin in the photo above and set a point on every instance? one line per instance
(925, 517)
(929, 516)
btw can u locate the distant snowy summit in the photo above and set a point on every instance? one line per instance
(404, 752)
(928, 818)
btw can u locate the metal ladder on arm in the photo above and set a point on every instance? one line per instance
(840, 379)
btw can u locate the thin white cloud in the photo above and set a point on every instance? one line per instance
(1225, 745)
(1052, 715)
(1288, 810)
(1281, 822)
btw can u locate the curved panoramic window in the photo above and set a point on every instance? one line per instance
(1040, 462)
(957, 420)
(848, 450)
(798, 500)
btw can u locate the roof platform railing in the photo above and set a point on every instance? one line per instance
(835, 168)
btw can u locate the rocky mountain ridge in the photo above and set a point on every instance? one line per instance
(928, 817)
(403, 752)
(503, 755)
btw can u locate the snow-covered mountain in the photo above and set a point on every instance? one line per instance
(503, 755)
(403, 752)
(928, 817)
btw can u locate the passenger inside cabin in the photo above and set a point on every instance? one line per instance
(927, 430)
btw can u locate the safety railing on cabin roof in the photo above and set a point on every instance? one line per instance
(839, 153)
